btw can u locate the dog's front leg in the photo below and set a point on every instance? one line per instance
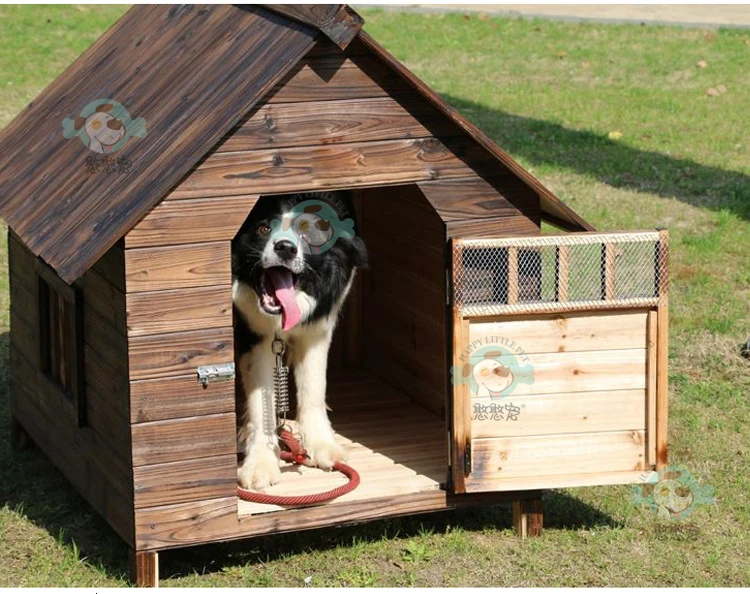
(261, 465)
(310, 353)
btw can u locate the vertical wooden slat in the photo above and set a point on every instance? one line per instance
(562, 273)
(662, 355)
(461, 429)
(651, 393)
(512, 275)
(460, 426)
(609, 271)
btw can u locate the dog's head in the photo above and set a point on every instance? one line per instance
(298, 245)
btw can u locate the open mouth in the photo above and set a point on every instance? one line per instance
(277, 295)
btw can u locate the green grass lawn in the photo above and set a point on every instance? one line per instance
(617, 121)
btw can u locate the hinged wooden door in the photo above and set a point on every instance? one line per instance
(552, 389)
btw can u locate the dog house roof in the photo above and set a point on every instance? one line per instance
(195, 72)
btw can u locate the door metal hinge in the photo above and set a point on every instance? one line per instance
(214, 373)
(467, 458)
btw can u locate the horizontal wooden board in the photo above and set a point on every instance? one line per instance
(182, 524)
(494, 460)
(581, 412)
(216, 519)
(555, 481)
(184, 439)
(178, 267)
(475, 198)
(567, 332)
(514, 226)
(178, 397)
(349, 165)
(278, 125)
(190, 480)
(584, 371)
(177, 310)
(179, 353)
(197, 221)
(321, 78)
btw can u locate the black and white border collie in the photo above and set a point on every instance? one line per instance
(285, 286)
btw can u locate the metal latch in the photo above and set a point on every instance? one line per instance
(213, 373)
(467, 458)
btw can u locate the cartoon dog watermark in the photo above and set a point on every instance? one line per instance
(672, 493)
(493, 366)
(313, 226)
(104, 126)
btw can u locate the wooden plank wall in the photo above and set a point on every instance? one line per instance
(404, 301)
(95, 458)
(346, 120)
(179, 312)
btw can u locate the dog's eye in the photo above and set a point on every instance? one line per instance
(263, 230)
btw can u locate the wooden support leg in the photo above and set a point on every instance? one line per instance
(144, 569)
(527, 517)
(19, 439)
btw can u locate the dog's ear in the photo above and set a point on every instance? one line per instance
(493, 354)
(286, 223)
(355, 249)
(105, 107)
(79, 122)
(467, 369)
(312, 208)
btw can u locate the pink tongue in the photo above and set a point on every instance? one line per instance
(283, 288)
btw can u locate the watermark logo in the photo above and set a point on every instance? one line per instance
(104, 126)
(313, 226)
(495, 412)
(493, 366)
(672, 493)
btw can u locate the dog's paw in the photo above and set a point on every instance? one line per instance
(324, 454)
(259, 470)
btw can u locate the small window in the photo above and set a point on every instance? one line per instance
(61, 337)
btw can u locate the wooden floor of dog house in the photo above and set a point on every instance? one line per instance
(397, 447)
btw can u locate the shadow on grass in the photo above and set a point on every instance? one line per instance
(35, 489)
(32, 486)
(561, 512)
(614, 163)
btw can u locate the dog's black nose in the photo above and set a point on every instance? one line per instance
(285, 249)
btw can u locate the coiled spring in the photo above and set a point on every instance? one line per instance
(280, 380)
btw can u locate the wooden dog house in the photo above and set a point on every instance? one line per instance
(121, 285)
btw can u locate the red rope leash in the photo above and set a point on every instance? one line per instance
(298, 455)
